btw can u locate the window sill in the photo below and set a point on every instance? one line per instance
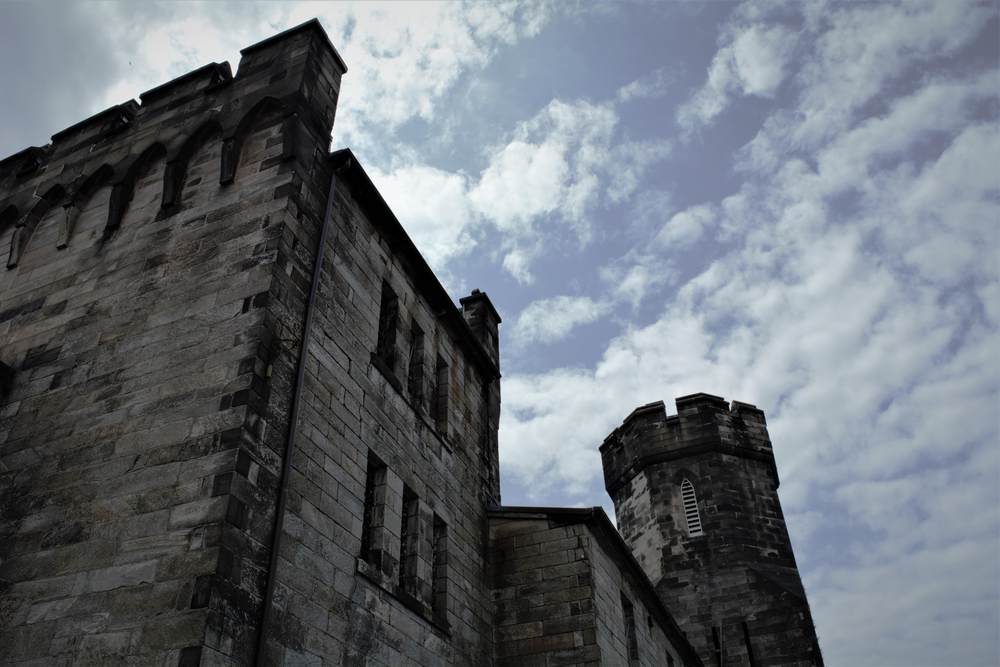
(383, 368)
(436, 619)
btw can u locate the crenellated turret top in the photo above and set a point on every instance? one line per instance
(703, 423)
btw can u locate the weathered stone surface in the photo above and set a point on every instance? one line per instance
(153, 330)
(732, 584)
(162, 257)
(126, 325)
(573, 612)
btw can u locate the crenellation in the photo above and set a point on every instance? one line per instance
(204, 79)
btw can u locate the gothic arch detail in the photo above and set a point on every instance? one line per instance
(26, 226)
(176, 171)
(121, 193)
(232, 145)
(72, 208)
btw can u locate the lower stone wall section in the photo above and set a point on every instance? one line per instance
(563, 595)
(628, 642)
(746, 615)
(543, 595)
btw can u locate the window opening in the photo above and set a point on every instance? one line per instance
(409, 535)
(691, 509)
(415, 370)
(485, 455)
(439, 577)
(717, 641)
(385, 346)
(628, 612)
(746, 638)
(375, 487)
(441, 397)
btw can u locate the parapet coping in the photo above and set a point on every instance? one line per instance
(347, 165)
(311, 24)
(660, 406)
(638, 463)
(642, 409)
(39, 152)
(481, 296)
(597, 518)
(125, 108)
(223, 69)
(698, 397)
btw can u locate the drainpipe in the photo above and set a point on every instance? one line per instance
(279, 519)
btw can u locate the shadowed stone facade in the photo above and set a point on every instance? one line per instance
(242, 423)
(720, 559)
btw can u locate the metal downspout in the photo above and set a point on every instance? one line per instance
(272, 573)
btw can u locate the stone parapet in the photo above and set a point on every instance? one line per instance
(703, 423)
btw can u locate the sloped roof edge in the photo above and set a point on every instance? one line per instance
(348, 168)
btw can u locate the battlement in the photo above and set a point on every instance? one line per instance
(204, 79)
(295, 75)
(703, 423)
(207, 302)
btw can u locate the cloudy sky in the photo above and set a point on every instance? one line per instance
(792, 205)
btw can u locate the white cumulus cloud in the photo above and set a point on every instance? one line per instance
(754, 63)
(853, 297)
(550, 320)
(433, 208)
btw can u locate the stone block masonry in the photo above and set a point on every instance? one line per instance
(152, 270)
(696, 500)
(242, 423)
(152, 316)
(566, 591)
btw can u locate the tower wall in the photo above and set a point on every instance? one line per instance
(734, 588)
(161, 258)
(147, 279)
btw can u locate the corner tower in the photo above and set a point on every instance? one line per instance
(696, 500)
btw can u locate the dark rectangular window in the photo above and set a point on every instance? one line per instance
(415, 370)
(439, 570)
(746, 638)
(632, 642)
(485, 455)
(409, 537)
(371, 527)
(388, 317)
(440, 404)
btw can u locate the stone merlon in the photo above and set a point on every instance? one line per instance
(703, 423)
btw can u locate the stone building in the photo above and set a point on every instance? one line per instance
(696, 499)
(242, 422)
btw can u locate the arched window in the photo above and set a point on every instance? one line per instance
(691, 509)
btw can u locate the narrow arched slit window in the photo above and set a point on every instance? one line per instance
(691, 509)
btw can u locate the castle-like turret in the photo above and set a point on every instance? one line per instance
(696, 500)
